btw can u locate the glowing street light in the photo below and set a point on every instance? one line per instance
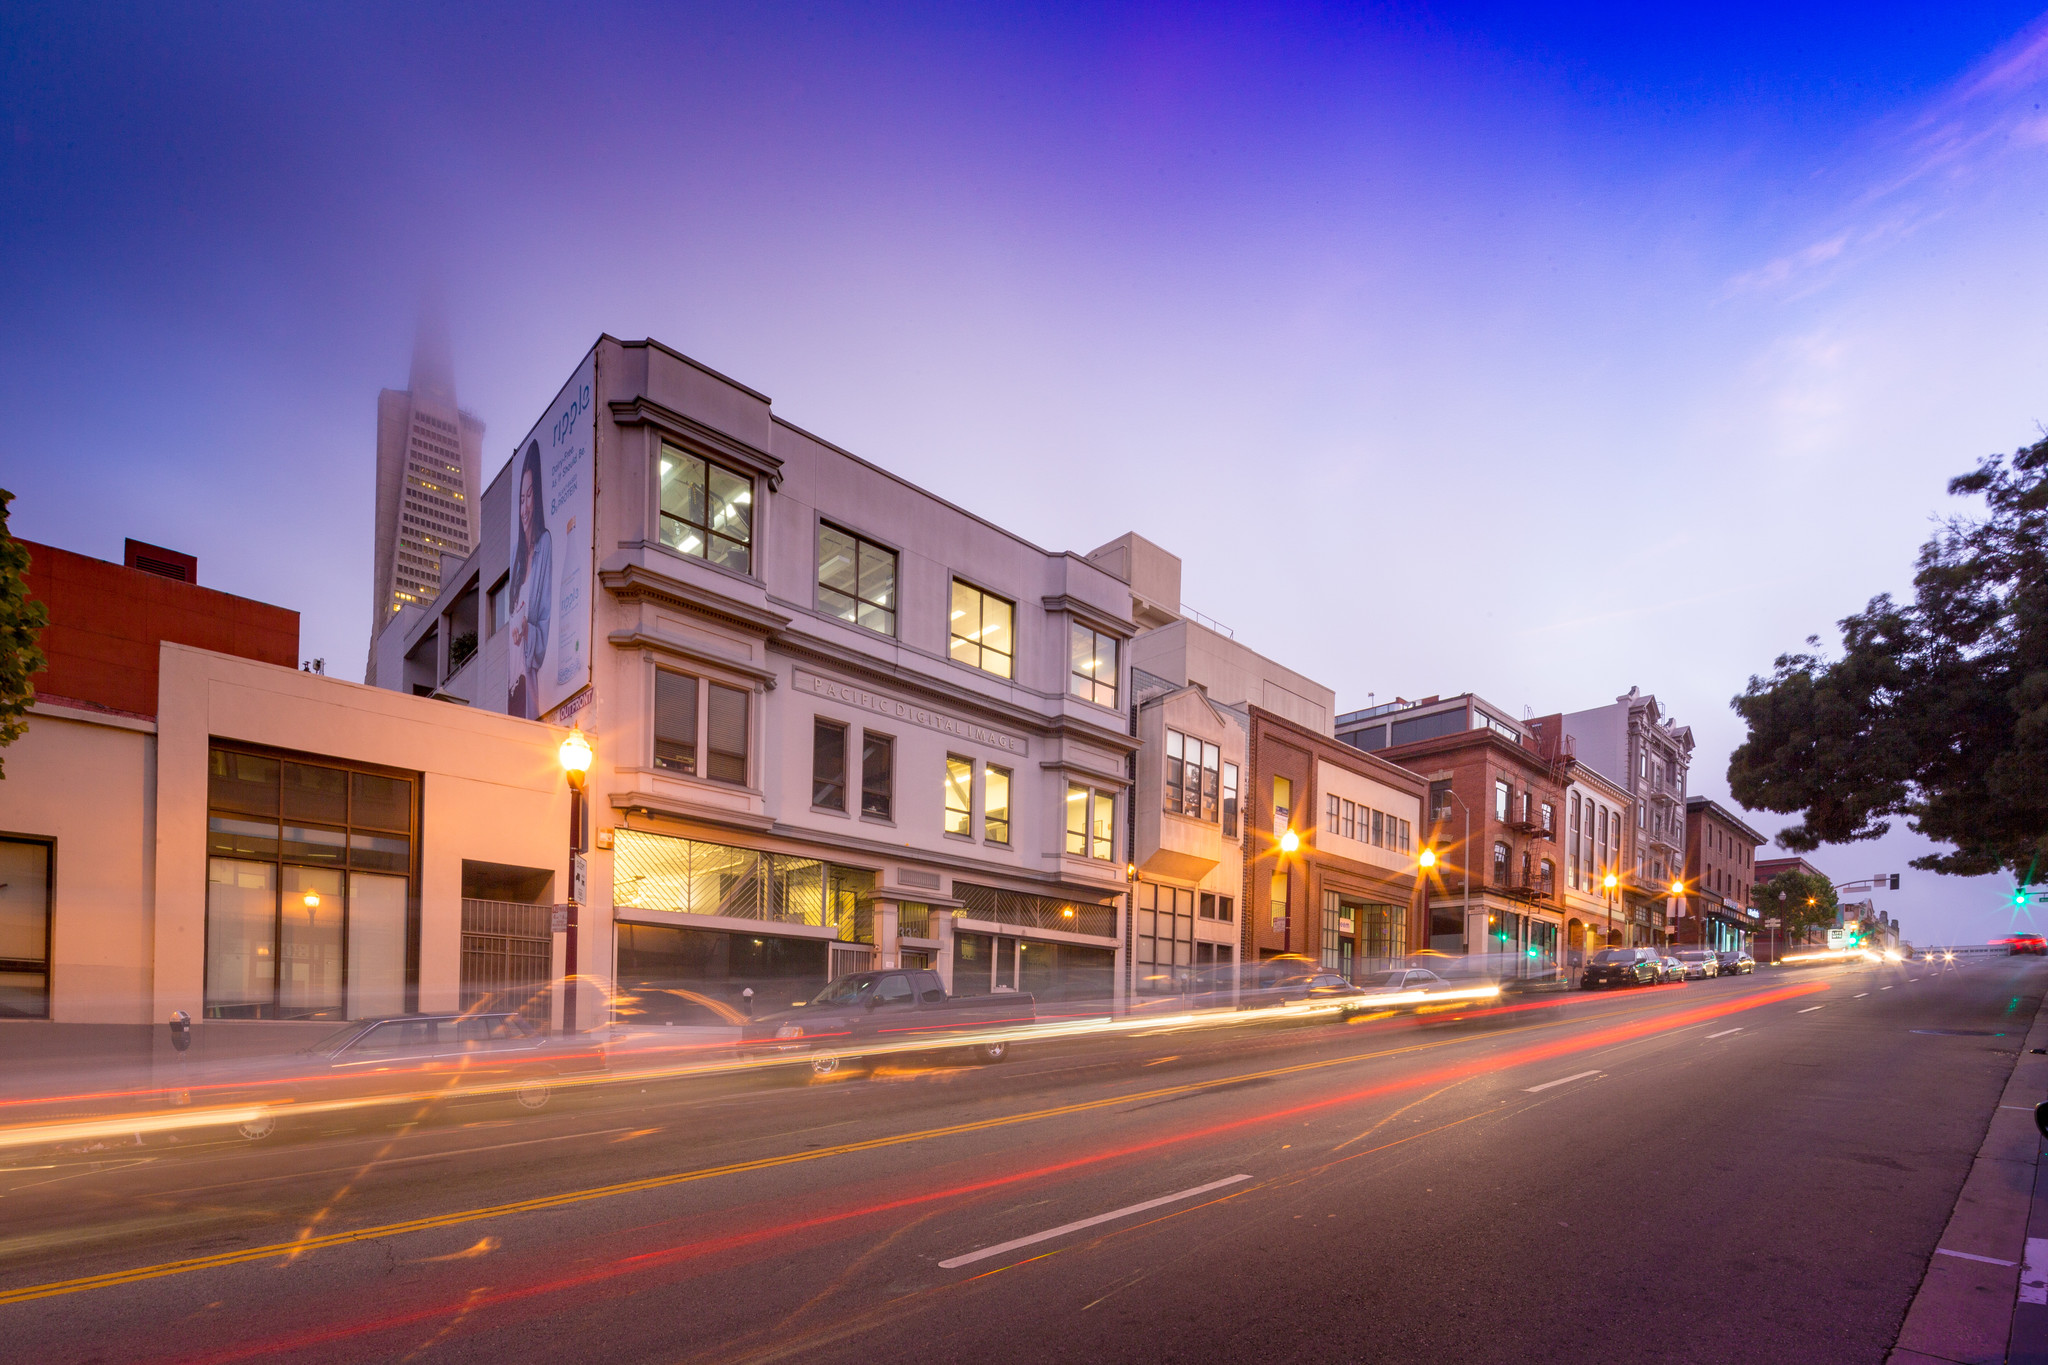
(1289, 841)
(1428, 858)
(1611, 882)
(575, 756)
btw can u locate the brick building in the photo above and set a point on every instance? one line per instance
(1495, 793)
(1720, 873)
(1346, 892)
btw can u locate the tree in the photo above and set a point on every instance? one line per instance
(20, 619)
(1799, 901)
(1937, 709)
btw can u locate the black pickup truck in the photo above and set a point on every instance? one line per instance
(891, 1011)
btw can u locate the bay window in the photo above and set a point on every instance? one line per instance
(707, 511)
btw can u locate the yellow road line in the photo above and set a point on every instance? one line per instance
(542, 1203)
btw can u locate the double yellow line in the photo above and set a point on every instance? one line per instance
(542, 1203)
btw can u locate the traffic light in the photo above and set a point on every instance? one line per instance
(2019, 895)
(1895, 881)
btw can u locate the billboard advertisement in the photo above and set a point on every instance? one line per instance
(549, 615)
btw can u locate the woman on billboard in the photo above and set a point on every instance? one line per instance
(532, 578)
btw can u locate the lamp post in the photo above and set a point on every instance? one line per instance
(1608, 884)
(1464, 863)
(575, 755)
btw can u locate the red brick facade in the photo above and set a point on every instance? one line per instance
(107, 620)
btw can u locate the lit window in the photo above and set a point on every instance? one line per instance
(995, 805)
(856, 580)
(959, 796)
(1091, 823)
(706, 511)
(982, 629)
(726, 735)
(1230, 799)
(1093, 675)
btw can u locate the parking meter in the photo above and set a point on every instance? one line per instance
(181, 1030)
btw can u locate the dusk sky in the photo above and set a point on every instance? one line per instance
(1452, 348)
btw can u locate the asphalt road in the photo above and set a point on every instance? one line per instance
(1751, 1169)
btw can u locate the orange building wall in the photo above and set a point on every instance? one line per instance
(106, 622)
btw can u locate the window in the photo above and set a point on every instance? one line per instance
(1279, 897)
(1407, 836)
(1350, 824)
(877, 775)
(1379, 829)
(828, 764)
(1230, 799)
(24, 929)
(309, 879)
(706, 511)
(499, 600)
(856, 580)
(1283, 805)
(726, 735)
(1501, 858)
(675, 722)
(995, 805)
(1550, 819)
(1546, 877)
(1091, 823)
(1439, 802)
(1335, 814)
(1202, 777)
(1176, 789)
(1500, 800)
(960, 796)
(1093, 673)
(983, 633)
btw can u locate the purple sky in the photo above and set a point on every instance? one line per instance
(1451, 348)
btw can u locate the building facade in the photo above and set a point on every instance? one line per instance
(429, 458)
(1717, 910)
(1634, 743)
(838, 721)
(1494, 795)
(1597, 817)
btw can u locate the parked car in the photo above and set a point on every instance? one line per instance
(1733, 963)
(899, 1011)
(1672, 969)
(1403, 988)
(452, 1058)
(1698, 962)
(2028, 943)
(1622, 967)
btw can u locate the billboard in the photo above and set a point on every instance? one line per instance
(549, 616)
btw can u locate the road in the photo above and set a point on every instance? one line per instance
(1750, 1169)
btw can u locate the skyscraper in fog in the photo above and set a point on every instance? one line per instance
(429, 453)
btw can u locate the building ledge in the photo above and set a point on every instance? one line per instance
(655, 804)
(91, 713)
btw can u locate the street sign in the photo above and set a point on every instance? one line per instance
(1773, 922)
(576, 884)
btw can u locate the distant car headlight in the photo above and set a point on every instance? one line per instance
(790, 1031)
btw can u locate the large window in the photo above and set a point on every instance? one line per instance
(828, 764)
(1502, 859)
(675, 722)
(983, 630)
(856, 580)
(995, 805)
(877, 775)
(309, 889)
(1091, 823)
(706, 511)
(1283, 805)
(1230, 800)
(959, 796)
(1192, 771)
(24, 928)
(1093, 673)
(1500, 801)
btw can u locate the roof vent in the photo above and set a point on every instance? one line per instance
(181, 568)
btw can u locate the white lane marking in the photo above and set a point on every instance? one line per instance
(1884, 988)
(1567, 1080)
(2034, 1275)
(2023, 1108)
(1811, 1008)
(1063, 1229)
(1861, 994)
(1724, 1032)
(1966, 1256)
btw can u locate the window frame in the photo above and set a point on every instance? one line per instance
(955, 640)
(861, 544)
(955, 762)
(711, 690)
(989, 819)
(663, 517)
(885, 744)
(819, 725)
(656, 738)
(1091, 824)
(1076, 679)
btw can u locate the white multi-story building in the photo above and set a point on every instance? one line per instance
(429, 453)
(1633, 743)
(837, 720)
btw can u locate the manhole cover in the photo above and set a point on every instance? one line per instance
(1960, 1032)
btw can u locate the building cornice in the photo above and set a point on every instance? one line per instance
(633, 582)
(706, 440)
(708, 658)
(1108, 622)
(653, 803)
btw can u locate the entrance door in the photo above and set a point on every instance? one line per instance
(507, 956)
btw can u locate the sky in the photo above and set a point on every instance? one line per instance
(1453, 348)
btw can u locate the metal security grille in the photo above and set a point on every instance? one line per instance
(993, 906)
(507, 956)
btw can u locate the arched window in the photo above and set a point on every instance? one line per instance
(1547, 878)
(1501, 860)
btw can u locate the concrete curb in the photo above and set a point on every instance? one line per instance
(1963, 1313)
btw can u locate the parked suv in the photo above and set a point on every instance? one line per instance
(1621, 967)
(1699, 962)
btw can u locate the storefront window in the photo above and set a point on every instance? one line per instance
(309, 889)
(24, 928)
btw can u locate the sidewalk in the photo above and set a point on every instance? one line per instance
(1968, 1310)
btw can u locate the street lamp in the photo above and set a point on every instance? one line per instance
(575, 756)
(1289, 840)
(1428, 858)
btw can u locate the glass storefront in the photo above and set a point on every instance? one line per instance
(690, 877)
(310, 888)
(25, 928)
